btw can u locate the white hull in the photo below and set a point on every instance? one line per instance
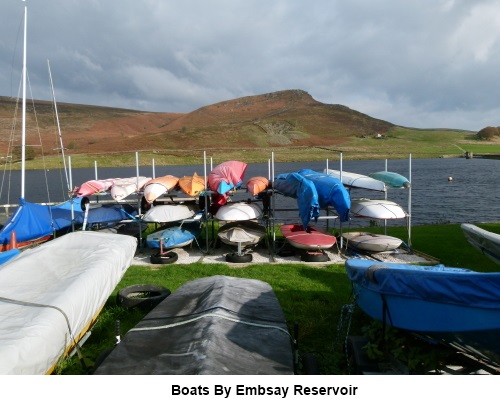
(122, 188)
(170, 213)
(486, 242)
(239, 211)
(245, 233)
(371, 242)
(377, 209)
(357, 180)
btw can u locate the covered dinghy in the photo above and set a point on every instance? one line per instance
(331, 192)
(51, 294)
(33, 223)
(209, 326)
(304, 191)
(226, 176)
(454, 306)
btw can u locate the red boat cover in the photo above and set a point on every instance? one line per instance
(226, 176)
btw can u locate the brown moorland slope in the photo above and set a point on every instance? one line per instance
(279, 119)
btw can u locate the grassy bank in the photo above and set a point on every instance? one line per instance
(311, 296)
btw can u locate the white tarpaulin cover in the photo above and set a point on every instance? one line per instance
(50, 294)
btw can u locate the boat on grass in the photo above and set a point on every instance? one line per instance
(65, 284)
(456, 307)
(486, 242)
(217, 325)
(371, 242)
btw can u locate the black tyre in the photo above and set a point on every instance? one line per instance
(310, 365)
(236, 258)
(316, 257)
(165, 258)
(286, 251)
(142, 296)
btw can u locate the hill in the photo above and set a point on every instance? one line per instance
(290, 123)
(285, 118)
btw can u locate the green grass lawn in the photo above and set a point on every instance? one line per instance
(316, 298)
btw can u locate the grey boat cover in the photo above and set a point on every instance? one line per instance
(209, 326)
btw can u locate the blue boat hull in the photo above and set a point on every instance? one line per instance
(456, 307)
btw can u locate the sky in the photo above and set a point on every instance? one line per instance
(415, 63)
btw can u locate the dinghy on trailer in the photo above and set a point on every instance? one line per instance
(217, 325)
(456, 307)
(66, 282)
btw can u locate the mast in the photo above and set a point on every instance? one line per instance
(58, 127)
(23, 131)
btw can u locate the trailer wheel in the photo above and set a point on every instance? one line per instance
(236, 258)
(317, 257)
(165, 258)
(143, 296)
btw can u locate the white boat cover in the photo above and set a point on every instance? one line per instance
(50, 295)
(170, 213)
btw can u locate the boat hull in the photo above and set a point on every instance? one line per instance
(486, 242)
(456, 307)
(239, 211)
(355, 180)
(371, 242)
(313, 238)
(174, 237)
(241, 233)
(377, 209)
(170, 213)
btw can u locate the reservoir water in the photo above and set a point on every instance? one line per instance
(453, 190)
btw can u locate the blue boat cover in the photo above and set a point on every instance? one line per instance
(331, 192)
(174, 236)
(437, 284)
(111, 213)
(35, 221)
(297, 186)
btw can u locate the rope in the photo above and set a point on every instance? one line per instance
(211, 316)
(33, 304)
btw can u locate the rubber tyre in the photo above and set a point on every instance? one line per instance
(142, 296)
(165, 258)
(314, 257)
(286, 251)
(236, 258)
